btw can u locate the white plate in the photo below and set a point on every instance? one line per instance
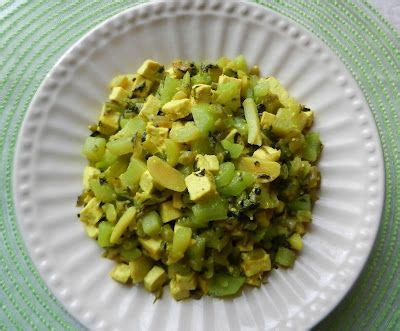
(48, 168)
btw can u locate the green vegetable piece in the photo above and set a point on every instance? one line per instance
(120, 146)
(185, 134)
(139, 268)
(225, 174)
(107, 160)
(105, 230)
(133, 126)
(131, 177)
(125, 220)
(222, 285)
(301, 203)
(228, 92)
(212, 210)
(201, 78)
(94, 148)
(295, 241)
(173, 151)
(234, 149)
(313, 147)
(130, 254)
(240, 125)
(196, 254)
(204, 116)
(102, 190)
(181, 242)
(110, 212)
(240, 181)
(151, 223)
(253, 122)
(285, 257)
(168, 88)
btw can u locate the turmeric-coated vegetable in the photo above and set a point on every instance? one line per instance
(201, 177)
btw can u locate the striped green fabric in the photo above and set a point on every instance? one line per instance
(34, 34)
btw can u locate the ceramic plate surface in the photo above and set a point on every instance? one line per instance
(49, 165)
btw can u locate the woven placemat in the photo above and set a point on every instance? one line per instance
(34, 34)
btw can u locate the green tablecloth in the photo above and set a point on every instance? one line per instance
(34, 34)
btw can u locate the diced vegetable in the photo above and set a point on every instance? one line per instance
(285, 257)
(222, 285)
(201, 176)
(165, 175)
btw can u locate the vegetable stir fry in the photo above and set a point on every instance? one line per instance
(201, 176)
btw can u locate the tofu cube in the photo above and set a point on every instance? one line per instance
(156, 135)
(121, 273)
(169, 212)
(267, 120)
(89, 173)
(150, 107)
(178, 292)
(119, 94)
(226, 79)
(255, 261)
(124, 81)
(201, 93)
(200, 184)
(309, 115)
(109, 121)
(267, 153)
(146, 182)
(155, 279)
(207, 162)
(92, 212)
(152, 247)
(151, 69)
(176, 109)
(141, 86)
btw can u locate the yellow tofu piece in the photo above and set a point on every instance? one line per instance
(89, 173)
(109, 121)
(124, 81)
(255, 262)
(225, 79)
(92, 212)
(146, 182)
(180, 95)
(177, 292)
(150, 107)
(267, 120)
(156, 135)
(91, 230)
(267, 153)
(151, 69)
(155, 279)
(152, 247)
(201, 93)
(176, 109)
(200, 184)
(181, 285)
(141, 86)
(169, 212)
(121, 273)
(309, 115)
(119, 94)
(207, 162)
